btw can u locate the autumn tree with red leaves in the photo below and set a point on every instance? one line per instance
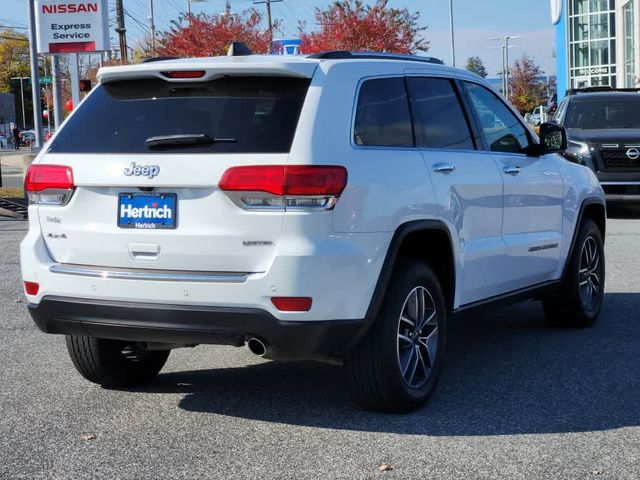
(209, 35)
(525, 91)
(356, 26)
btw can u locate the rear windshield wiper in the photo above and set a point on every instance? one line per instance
(185, 139)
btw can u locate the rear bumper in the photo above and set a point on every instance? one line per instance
(139, 322)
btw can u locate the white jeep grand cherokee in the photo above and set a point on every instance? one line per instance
(337, 206)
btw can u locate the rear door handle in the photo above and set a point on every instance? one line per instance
(443, 167)
(512, 170)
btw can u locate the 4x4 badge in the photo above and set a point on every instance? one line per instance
(149, 171)
(633, 153)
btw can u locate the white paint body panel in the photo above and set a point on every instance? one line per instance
(335, 256)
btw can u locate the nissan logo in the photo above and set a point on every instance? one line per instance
(633, 153)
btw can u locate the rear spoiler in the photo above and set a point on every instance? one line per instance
(213, 67)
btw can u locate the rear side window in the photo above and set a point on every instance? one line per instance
(382, 115)
(251, 114)
(439, 118)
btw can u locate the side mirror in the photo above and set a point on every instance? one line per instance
(553, 138)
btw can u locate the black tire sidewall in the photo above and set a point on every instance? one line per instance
(572, 277)
(409, 275)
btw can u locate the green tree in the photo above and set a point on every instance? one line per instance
(14, 62)
(476, 65)
(525, 90)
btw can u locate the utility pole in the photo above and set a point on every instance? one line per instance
(35, 75)
(122, 32)
(269, 20)
(189, 2)
(453, 40)
(152, 29)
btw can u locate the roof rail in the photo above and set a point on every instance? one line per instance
(603, 88)
(157, 59)
(344, 54)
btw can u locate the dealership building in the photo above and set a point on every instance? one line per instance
(596, 43)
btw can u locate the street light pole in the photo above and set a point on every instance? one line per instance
(506, 55)
(505, 69)
(453, 41)
(24, 120)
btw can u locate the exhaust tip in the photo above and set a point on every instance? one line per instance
(257, 347)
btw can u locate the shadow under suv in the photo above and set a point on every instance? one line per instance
(603, 128)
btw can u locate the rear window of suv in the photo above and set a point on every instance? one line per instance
(247, 115)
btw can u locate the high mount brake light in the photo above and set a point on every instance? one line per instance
(315, 187)
(49, 184)
(184, 74)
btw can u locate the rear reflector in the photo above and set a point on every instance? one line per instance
(31, 288)
(184, 74)
(292, 304)
(295, 180)
(44, 177)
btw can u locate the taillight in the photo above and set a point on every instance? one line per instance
(279, 186)
(49, 184)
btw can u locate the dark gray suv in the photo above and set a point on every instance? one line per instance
(603, 127)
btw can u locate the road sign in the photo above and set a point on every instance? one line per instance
(77, 27)
(45, 80)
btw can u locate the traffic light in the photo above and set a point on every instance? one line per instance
(85, 85)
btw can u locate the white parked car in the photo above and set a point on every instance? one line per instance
(335, 207)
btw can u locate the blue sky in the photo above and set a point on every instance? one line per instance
(476, 22)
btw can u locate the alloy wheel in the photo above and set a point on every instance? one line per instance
(417, 342)
(590, 274)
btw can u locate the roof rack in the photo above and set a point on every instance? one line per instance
(604, 88)
(157, 59)
(345, 54)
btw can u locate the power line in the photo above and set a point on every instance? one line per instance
(137, 22)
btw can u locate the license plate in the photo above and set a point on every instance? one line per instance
(147, 210)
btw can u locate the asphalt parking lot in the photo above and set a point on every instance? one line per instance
(517, 400)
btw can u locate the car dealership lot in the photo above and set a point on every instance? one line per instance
(517, 400)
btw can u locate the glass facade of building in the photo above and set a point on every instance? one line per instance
(592, 43)
(629, 45)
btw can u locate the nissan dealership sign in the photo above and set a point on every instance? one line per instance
(72, 27)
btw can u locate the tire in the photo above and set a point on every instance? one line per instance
(581, 293)
(113, 363)
(377, 363)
